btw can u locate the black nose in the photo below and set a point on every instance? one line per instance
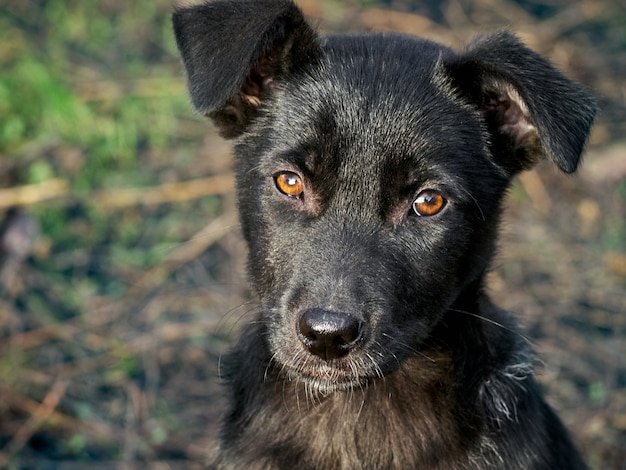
(329, 335)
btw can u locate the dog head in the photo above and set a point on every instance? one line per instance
(371, 170)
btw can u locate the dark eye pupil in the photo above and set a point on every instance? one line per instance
(429, 199)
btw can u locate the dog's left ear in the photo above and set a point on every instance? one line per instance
(235, 51)
(531, 109)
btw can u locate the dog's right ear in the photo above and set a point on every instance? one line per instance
(530, 109)
(235, 51)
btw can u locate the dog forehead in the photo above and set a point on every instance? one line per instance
(392, 52)
(375, 77)
(374, 98)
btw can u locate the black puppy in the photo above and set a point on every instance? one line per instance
(371, 172)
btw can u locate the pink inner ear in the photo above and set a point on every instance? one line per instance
(258, 80)
(237, 111)
(510, 115)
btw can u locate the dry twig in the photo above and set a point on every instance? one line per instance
(32, 193)
(168, 192)
(39, 415)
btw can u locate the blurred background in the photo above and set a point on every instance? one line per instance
(122, 274)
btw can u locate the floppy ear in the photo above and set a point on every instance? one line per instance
(234, 51)
(531, 109)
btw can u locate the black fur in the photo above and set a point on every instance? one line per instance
(376, 345)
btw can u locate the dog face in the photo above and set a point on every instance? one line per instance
(371, 171)
(391, 211)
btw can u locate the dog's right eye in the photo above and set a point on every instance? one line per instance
(428, 203)
(289, 183)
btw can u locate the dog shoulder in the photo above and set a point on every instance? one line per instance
(516, 414)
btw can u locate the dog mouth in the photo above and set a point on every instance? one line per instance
(324, 377)
(324, 380)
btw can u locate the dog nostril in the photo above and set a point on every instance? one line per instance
(329, 335)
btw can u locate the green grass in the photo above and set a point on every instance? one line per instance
(104, 80)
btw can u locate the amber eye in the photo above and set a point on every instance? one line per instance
(290, 184)
(428, 203)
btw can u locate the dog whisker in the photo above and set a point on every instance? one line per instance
(229, 314)
(471, 196)
(409, 348)
(493, 322)
(271, 361)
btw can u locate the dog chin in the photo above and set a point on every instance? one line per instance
(325, 387)
(325, 380)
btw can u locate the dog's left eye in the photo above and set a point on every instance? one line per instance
(289, 183)
(429, 203)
